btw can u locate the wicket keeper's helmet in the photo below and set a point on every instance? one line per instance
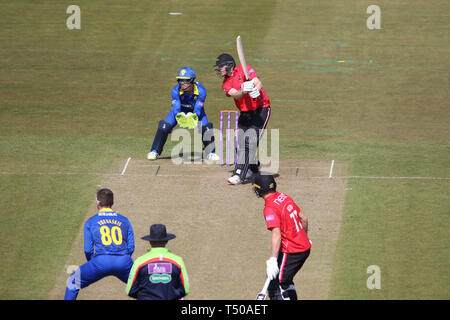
(225, 59)
(264, 183)
(186, 73)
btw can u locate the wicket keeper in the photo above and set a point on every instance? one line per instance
(188, 109)
(254, 106)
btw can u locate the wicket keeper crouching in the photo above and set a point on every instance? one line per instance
(188, 108)
(290, 243)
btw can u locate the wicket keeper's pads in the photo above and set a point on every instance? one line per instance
(208, 137)
(161, 135)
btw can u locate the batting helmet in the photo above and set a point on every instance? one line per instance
(264, 183)
(225, 59)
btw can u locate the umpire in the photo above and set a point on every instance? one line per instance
(159, 274)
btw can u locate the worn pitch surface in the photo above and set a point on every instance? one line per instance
(220, 229)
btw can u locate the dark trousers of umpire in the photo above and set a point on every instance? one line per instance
(282, 287)
(251, 126)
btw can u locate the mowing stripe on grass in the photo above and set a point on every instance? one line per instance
(182, 175)
(397, 178)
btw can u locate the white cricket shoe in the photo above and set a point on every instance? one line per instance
(234, 180)
(212, 156)
(152, 155)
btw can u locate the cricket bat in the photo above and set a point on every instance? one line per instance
(241, 55)
(263, 294)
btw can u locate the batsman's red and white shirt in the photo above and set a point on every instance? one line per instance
(246, 103)
(280, 211)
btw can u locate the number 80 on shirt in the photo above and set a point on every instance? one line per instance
(110, 235)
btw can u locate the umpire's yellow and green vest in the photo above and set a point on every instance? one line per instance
(158, 275)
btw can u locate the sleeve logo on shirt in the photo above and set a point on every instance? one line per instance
(270, 217)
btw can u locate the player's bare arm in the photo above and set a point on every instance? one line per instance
(258, 84)
(239, 93)
(304, 222)
(236, 94)
(276, 242)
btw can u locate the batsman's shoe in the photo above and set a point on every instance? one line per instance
(153, 155)
(234, 180)
(213, 156)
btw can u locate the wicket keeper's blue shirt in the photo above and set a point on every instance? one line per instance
(182, 102)
(108, 233)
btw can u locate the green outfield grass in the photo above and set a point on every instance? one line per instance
(375, 100)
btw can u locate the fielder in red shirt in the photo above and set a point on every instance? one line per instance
(290, 242)
(254, 106)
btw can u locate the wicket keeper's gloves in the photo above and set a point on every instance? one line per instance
(181, 119)
(191, 120)
(272, 268)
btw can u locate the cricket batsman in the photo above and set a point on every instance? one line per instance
(290, 243)
(254, 106)
(188, 109)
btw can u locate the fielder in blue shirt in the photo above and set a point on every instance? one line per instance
(188, 101)
(108, 246)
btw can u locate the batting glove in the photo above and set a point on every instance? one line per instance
(254, 93)
(248, 86)
(272, 268)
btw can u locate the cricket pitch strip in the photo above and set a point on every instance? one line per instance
(220, 229)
